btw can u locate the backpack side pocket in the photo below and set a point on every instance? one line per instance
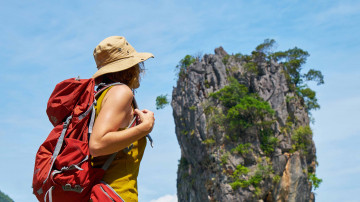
(102, 192)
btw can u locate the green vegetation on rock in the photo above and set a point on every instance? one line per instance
(243, 109)
(292, 61)
(226, 59)
(242, 149)
(267, 140)
(209, 141)
(224, 158)
(5, 198)
(301, 138)
(242, 180)
(183, 65)
(314, 180)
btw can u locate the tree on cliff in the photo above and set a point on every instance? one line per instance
(293, 60)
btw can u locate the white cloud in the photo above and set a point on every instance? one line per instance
(166, 198)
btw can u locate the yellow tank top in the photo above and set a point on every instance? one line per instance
(123, 171)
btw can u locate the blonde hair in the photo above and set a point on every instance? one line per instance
(130, 77)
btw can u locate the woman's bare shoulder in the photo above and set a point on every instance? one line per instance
(119, 94)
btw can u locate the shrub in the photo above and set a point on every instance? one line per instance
(242, 109)
(224, 158)
(238, 57)
(161, 101)
(242, 149)
(314, 180)
(267, 140)
(217, 118)
(276, 179)
(309, 97)
(301, 138)
(231, 94)
(183, 65)
(184, 132)
(238, 176)
(260, 173)
(207, 84)
(225, 59)
(193, 108)
(209, 141)
(240, 170)
(266, 48)
(251, 67)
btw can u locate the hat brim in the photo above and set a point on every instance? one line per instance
(123, 64)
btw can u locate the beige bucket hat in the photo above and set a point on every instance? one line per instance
(115, 54)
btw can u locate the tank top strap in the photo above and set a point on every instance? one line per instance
(99, 101)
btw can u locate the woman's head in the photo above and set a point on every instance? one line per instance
(118, 61)
(131, 76)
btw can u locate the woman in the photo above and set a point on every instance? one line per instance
(117, 61)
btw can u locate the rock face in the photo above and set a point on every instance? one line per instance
(207, 164)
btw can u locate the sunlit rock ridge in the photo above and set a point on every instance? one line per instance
(267, 157)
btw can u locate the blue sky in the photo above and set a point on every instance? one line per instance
(45, 42)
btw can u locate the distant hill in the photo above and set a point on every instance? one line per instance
(4, 197)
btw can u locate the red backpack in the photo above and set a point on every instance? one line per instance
(63, 170)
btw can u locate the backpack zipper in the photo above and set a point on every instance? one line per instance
(104, 183)
(102, 189)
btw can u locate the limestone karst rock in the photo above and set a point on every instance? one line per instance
(208, 160)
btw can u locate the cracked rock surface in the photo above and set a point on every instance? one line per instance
(202, 175)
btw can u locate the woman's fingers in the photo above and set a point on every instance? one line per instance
(137, 111)
(143, 112)
(147, 118)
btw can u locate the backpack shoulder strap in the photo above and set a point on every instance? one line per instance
(148, 135)
(102, 89)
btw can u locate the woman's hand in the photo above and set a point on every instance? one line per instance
(147, 120)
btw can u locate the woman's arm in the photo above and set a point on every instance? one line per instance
(115, 113)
